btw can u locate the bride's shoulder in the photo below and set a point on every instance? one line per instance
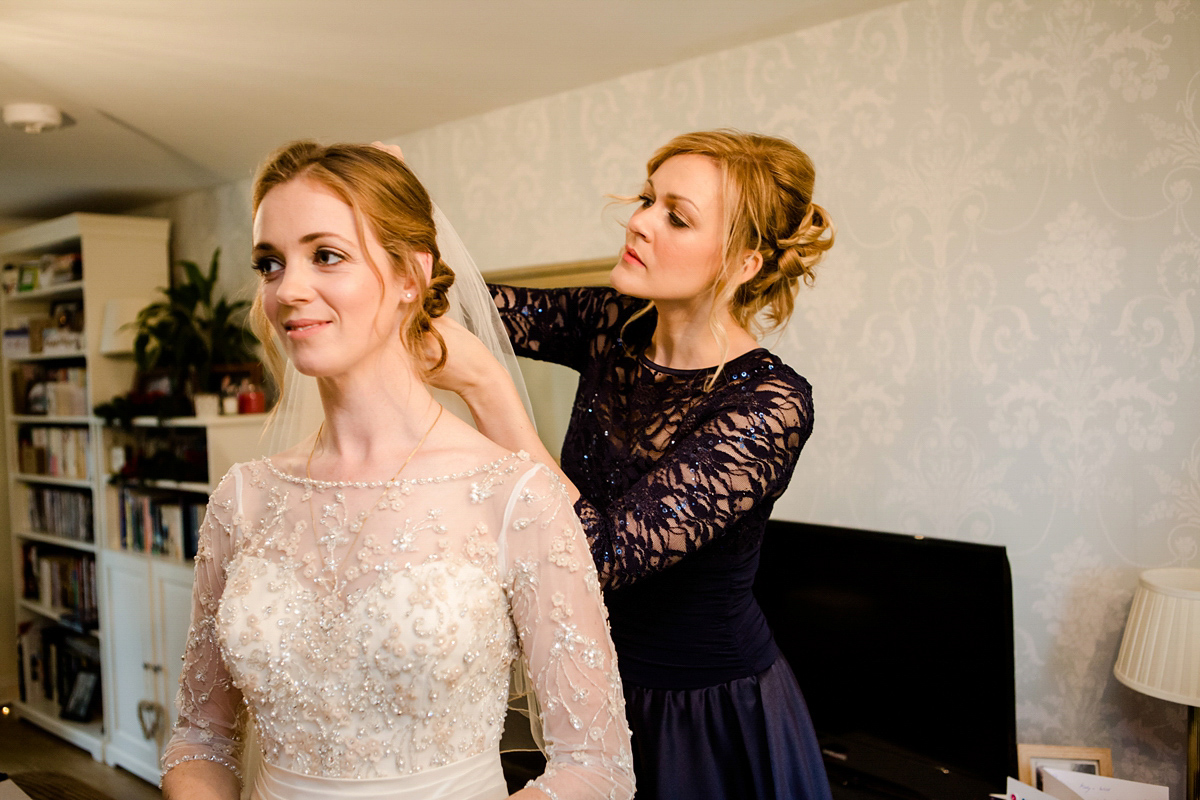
(465, 454)
(287, 462)
(461, 448)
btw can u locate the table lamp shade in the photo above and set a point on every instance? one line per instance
(1160, 653)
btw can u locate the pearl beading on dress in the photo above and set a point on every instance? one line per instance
(407, 669)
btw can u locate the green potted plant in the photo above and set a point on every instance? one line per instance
(188, 333)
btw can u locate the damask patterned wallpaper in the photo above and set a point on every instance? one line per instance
(1002, 343)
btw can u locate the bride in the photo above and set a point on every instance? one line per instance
(363, 594)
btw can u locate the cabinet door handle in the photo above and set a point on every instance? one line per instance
(152, 667)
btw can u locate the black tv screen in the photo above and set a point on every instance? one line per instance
(903, 647)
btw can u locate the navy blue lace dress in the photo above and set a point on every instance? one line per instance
(677, 485)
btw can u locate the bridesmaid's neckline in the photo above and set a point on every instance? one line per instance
(686, 373)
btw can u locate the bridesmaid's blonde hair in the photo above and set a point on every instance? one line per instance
(767, 188)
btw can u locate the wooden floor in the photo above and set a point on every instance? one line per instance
(24, 747)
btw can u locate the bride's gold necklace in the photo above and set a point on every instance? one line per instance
(332, 566)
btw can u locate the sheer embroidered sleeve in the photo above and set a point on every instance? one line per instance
(563, 326)
(563, 629)
(721, 472)
(207, 702)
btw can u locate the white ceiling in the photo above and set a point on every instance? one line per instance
(168, 96)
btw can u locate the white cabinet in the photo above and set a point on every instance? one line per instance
(149, 584)
(148, 614)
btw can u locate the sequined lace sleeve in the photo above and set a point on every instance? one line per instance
(207, 702)
(563, 326)
(711, 480)
(563, 628)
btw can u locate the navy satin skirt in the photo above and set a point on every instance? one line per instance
(749, 738)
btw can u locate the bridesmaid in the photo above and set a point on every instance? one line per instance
(684, 433)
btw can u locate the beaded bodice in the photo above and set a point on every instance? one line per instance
(386, 650)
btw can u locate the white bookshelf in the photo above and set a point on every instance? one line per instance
(123, 258)
(143, 599)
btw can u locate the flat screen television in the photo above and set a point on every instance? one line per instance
(903, 647)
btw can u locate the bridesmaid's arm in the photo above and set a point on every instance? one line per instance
(474, 374)
(562, 326)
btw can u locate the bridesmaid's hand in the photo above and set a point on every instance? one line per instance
(394, 149)
(470, 366)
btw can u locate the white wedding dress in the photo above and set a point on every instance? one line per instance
(374, 657)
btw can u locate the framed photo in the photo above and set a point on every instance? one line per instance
(83, 695)
(226, 378)
(27, 277)
(67, 314)
(155, 381)
(1033, 758)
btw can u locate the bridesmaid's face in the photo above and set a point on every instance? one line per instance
(674, 240)
(333, 298)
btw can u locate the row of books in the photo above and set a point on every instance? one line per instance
(57, 452)
(46, 389)
(60, 512)
(38, 337)
(62, 666)
(160, 523)
(61, 580)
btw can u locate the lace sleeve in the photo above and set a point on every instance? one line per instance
(563, 326)
(716, 477)
(563, 628)
(207, 702)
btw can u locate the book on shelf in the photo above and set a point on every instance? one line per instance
(61, 581)
(164, 523)
(66, 513)
(55, 452)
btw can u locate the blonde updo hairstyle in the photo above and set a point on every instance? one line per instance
(767, 186)
(389, 201)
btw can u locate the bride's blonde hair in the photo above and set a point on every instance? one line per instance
(388, 200)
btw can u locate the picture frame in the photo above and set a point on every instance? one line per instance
(154, 381)
(83, 695)
(1032, 758)
(27, 277)
(225, 376)
(67, 314)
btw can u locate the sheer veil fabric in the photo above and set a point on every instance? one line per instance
(471, 305)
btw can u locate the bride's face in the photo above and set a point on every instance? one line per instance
(330, 307)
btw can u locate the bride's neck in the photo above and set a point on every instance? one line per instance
(371, 424)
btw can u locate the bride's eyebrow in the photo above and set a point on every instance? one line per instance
(310, 237)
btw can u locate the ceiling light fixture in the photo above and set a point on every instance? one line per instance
(32, 117)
